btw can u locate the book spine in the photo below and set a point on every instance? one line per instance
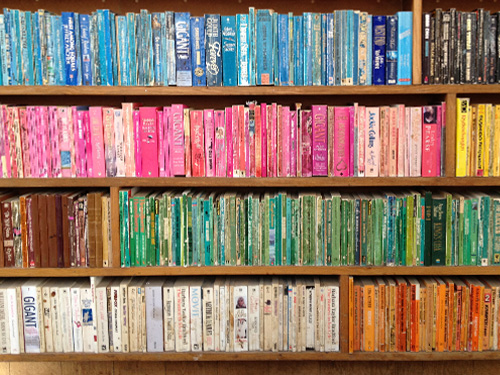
(177, 130)
(379, 50)
(372, 142)
(109, 141)
(198, 51)
(243, 49)
(392, 50)
(213, 48)
(31, 319)
(264, 55)
(283, 51)
(220, 144)
(404, 48)
(341, 142)
(183, 49)
(306, 144)
(319, 141)
(68, 23)
(229, 51)
(197, 144)
(97, 139)
(426, 40)
(148, 141)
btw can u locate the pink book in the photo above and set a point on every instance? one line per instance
(9, 145)
(55, 154)
(258, 142)
(352, 121)
(97, 139)
(279, 142)
(108, 124)
(306, 146)
(148, 133)
(197, 144)
(251, 140)
(167, 119)
(236, 138)
(12, 142)
(128, 139)
(32, 134)
(220, 144)
(263, 128)
(372, 142)
(119, 142)
(23, 124)
(415, 141)
(319, 140)
(187, 137)
(18, 143)
(384, 140)
(393, 142)
(331, 137)
(43, 140)
(401, 140)
(161, 144)
(208, 117)
(430, 145)
(274, 140)
(64, 141)
(362, 125)
(136, 120)
(406, 141)
(293, 143)
(177, 138)
(4, 140)
(229, 141)
(74, 130)
(88, 146)
(442, 123)
(438, 139)
(245, 145)
(342, 142)
(72, 146)
(81, 155)
(285, 125)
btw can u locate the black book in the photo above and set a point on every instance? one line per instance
(426, 41)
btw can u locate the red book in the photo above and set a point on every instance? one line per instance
(197, 144)
(149, 141)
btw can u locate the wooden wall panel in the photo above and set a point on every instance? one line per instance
(42, 368)
(135, 368)
(243, 368)
(190, 368)
(87, 368)
(295, 368)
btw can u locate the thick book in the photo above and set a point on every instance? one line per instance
(229, 51)
(213, 49)
(198, 51)
(404, 47)
(319, 140)
(379, 50)
(183, 49)
(264, 57)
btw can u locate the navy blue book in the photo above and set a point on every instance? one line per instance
(198, 50)
(391, 65)
(379, 40)
(183, 49)
(85, 48)
(213, 50)
(229, 55)
(68, 22)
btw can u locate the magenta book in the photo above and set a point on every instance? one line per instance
(430, 146)
(242, 141)
(251, 141)
(229, 141)
(55, 154)
(372, 145)
(167, 119)
(88, 144)
(352, 121)
(161, 144)
(247, 141)
(274, 140)
(128, 138)
(286, 139)
(136, 120)
(220, 143)
(6, 170)
(401, 140)
(148, 132)
(208, 118)
(97, 139)
(80, 139)
(393, 142)
(32, 136)
(177, 131)
(306, 147)
(197, 144)
(263, 128)
(24, 142)
(108, 124)
(187, 143)
(258, 142)
(319, 140)
(341, 142)
(65, 141)
(362, 125)
(293, 143)
(331, 137)
(236, 137)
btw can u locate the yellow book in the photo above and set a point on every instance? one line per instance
(480, 135)
(487, 139)
(462, 136)
(496, 149)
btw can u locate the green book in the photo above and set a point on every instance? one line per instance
(256, 231)
(318, 230)
(363, 232)
(148, 231)
(369, 232)
(385, 212)
(189, 229)
(295, 233)
(439, 207)
(460, 229)
(344, 251)
(448, 225)
(312, 231)
(329, 228)
(305, 230)
(496, 230)
(377, 227)
(484, 237)
(474, 217)
(410, 230)
(428, 229)
(249, 229)
(351, 249)
(336, 230)
(467, 231)
(278, 213)
(241, 258)
(265, 229)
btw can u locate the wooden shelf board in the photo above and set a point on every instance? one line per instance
(250, 356)
(292, 182)
(249, 270)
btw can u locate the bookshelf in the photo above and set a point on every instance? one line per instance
(262, 362)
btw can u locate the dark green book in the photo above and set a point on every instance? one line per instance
(439, 206)
(363, 232)
(428, 229)
(336, 230)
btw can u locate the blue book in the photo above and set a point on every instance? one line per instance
(60, 71)
(275, 49)
(101, 33)
(378, 54)
(350, 47)
(157, 57)
(229, 51)
(4, 58)
(283, 55)
(405, 41)
(391, 64)
(355, 48)
(114, 50)
(132, 49)
(198, 51)
(264, 56)
(308, 49)
(369, 49)
(108, 41)
(291, 59)
(338, 47)
(171, 57)
(243, 49)
(140, 24)
(18, 47)
(37, 48)
(148, 48)
(123, 60)
(78, 50)
(49, 76)
(68, 23)
(324, 50)
(10, 29)
(85, 48)
(330, 49)
(298, 50)
(27, 48)
(252, 45)
(183, 49)
(94, 50)
(163, 49)
(213, 49)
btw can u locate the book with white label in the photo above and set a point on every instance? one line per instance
(154, 315)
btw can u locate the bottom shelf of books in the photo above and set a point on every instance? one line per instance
(250, 318)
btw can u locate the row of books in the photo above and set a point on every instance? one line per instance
(424, 314)
(478, 137)
(124, 315)
(460, 47)
(55, 229)
(410, 228)
(262, 47)
(256, 140)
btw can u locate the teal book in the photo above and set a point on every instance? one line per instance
(295, 236)
(189, 230)
(288, 235)
(428, 229)
(207, 244)
(308, 48)
(264, 55)
(448, 226)
(265, 230)
(344, 217)
(328, 229)
(496, 230)
(249, 230)
(377, 226)
(337, 259)
(474, 220)
(222, 226)
(363, 232)
(316, 49)
(243, 49)
(229, 51)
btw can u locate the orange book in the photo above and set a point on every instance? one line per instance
(421, 320)
(473, 341)
(357, 315)
(401, 315)
(487, 307)
(381, 318)
(451, 315)
(351, 314)
(368, 315)
(414, 314)
(441, 315)
(480, 335)
(391, 321)
(494, 284)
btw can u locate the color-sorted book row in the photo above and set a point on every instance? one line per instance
(409, 228)
(460, 47)
(58, 229)
(122, 315)
(424, 314)
(257, 140)
(478, 139)
(262, 47)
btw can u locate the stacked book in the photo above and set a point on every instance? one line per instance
(261, 47)
(410, 228)
(460, 47)
(478, 137)
(424, 314)
(118, 315)
(55, 229)
(254, 140)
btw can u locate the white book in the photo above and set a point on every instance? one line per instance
(302, 333)
(182, 316)
(208, 315)
(88, 319)
(109, 308)
(123, 304)
(222, 317)
(47, 319)
(320, 314)
(141, 296)
(20, 318)
(216, 306)
(76, 316)
(195, 306)
(32, 319)
(154, 314)
(292, 317)
(285, 313)
(12, 303)
(332, 328)
(94, 281)
(253, 315)
(269, 327)
(275, 314)
(66, 323)
(116, 316)
(261, 313)
(133, 312)
(240, 315)
(4, 320)
(280, 315)
(168, 316)
(229, 315)
(102, 315)
(310, 315)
